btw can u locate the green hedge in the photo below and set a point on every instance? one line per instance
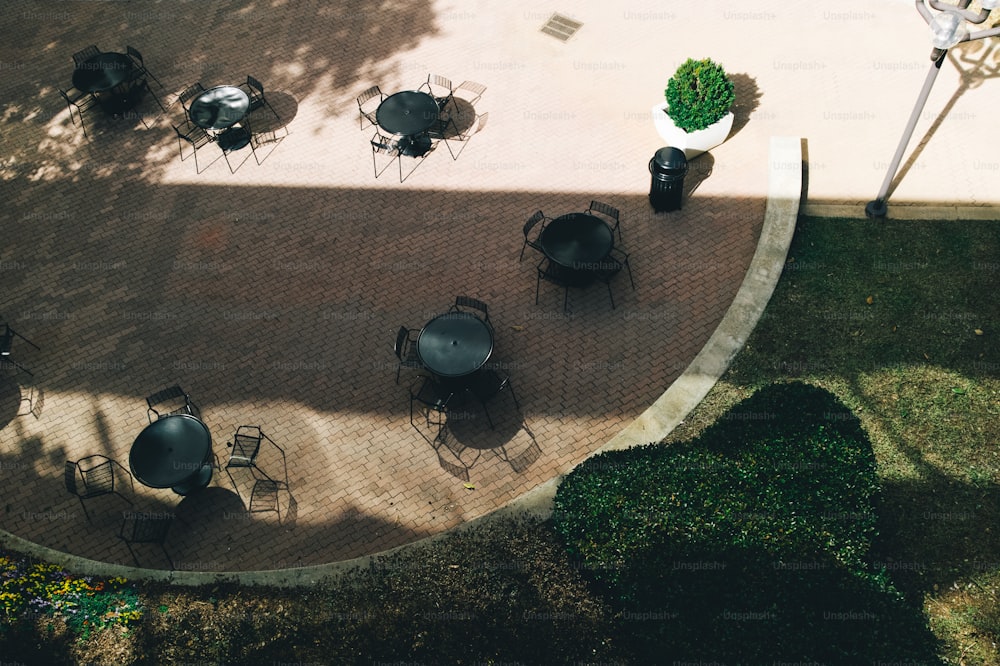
(749, 542)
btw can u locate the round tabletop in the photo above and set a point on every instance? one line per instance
(407, 113)
(577, 240)
(219, 107)
(102, 72)
(170, 451)
(455, 344)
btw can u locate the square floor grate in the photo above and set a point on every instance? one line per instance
(561, 27)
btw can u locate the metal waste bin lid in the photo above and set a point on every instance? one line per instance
(668, 162)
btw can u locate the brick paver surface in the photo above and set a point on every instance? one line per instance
(273, 295)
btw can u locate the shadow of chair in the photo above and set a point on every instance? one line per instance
(449, 452)
(463, 137)
(140, 527)
(525, 457)
(265, 496)
(245, 449)
(174, 399)
(94, 476)
(262, 134)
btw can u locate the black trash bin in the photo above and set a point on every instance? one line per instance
(667, 169)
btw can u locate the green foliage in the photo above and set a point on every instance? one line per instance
(748, 542)
(699, 94)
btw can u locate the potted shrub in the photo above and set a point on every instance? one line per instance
(696, 116)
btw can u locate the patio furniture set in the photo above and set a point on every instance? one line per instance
(409, 122)
(115, 83)
(174, 451)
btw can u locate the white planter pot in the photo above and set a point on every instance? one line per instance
(692, 143)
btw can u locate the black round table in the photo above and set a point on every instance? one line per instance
(173, 452)
(455, 344)
(219, 108)
(577, 241)
(102, 72)
(409, 114)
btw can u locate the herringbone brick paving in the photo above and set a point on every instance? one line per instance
(273, 295)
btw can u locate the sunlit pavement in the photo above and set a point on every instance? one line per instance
(272, 295)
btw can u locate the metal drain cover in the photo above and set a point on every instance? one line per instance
(561, 27)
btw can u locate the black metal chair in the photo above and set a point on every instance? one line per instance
(551, 272)
(255, 89)
(622, 256)
(197, 138)
(463, 137)
(368, 113)
(529, 226)
(486, 384)
(84, 55)
(176, 400)
(245, 449)
(139, 69)
(80, 101)
(190, 93)
(265, 496)
(473, 305)
(433, 399)
(608, 211)
(605, 272)
(7, 345)
(385, 146)
(146, 527)
(234, 139)
(263, 137)
(94, 476)
(439, 88)
(406, 351)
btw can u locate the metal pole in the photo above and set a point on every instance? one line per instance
(878, 208)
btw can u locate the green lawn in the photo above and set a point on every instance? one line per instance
(900, 320)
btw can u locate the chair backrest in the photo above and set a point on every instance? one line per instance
(532, 221)
(482, 121)
(255, 84)
(402, 336)
(440, 81)
(134, 54)
(86, 54)
(472, 86)
(473, 303)
(604, 209)
(162, 396)
(383, 144)
(374, 91)
(431, 394)
(189, 93)
(97, 479)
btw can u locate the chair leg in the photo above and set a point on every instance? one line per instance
(85, 510)
(611, 296)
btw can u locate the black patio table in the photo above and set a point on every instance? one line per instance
(455, 344)
(408, 114)
(174, 452)
(106, 76)
(220, 108)
(577, 241)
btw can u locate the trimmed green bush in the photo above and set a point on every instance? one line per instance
(699, 94)
(748, 543)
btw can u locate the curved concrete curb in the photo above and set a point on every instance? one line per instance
(784, 192)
